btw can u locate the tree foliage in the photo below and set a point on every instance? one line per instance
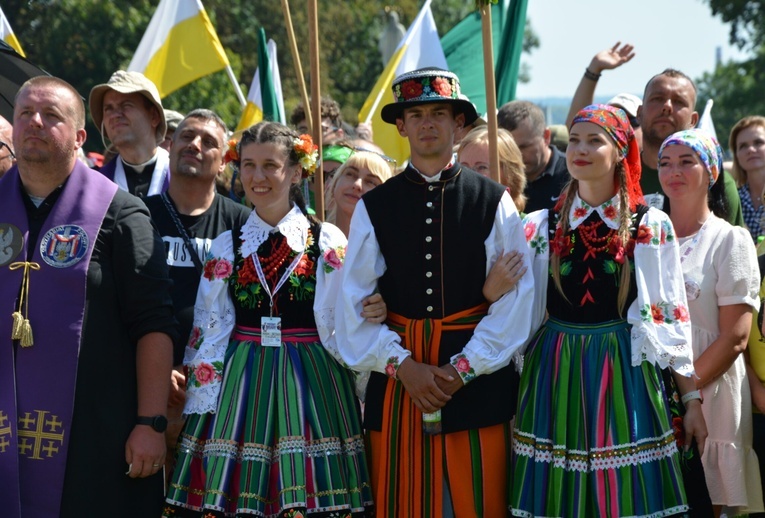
(747, 19)
(736, 87)
(85, 41)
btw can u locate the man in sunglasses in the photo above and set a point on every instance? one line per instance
(7, 158)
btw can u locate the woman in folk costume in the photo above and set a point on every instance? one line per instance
(721, 280)
(274, 427)
(593, 435)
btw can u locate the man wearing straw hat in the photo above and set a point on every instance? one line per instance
(443, 349)
(127, 111)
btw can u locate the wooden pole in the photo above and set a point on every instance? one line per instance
(296, 61)
(313, 38)
(491, 90)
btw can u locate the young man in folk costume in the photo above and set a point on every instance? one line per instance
(443, 348)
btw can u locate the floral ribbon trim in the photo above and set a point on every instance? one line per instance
(664, 313)
(462, 365)
(391, 367)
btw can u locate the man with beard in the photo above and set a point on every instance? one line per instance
(127, 111)
(189, 216)
(86, 330)
(668, 106)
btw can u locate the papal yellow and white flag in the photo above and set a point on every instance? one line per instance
(264, 99)
(179, 46)
(6, 34)
(420, 47)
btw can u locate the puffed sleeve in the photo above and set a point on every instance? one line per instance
(364, 345)
(332, 244)
(737, 276)
(502, 334)
(661, 324)
(213, 323)
(536, 227)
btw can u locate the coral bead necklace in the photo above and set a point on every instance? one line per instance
(592, 242)
(274, 260)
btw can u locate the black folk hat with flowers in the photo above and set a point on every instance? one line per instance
(424, 86)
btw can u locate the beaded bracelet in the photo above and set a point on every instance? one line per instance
(690, 396)
(592, 76)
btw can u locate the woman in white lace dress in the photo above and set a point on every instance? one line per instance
(274, 427)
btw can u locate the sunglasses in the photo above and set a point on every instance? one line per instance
(10, 154)
(329, 174)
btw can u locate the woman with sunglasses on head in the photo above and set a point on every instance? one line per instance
(722, 284)
(593, 435)
(274, 427)
(361, 172)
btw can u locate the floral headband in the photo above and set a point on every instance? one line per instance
(232, 152)
(307, 152)
(704, 145)
(305, 149)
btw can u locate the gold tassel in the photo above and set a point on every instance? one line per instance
(26, 334)
(18, 319)
(22, 329)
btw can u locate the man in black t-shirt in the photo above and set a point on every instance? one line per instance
(189, 216)
(544, 165)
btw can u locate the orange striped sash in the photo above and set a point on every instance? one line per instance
(408, 467)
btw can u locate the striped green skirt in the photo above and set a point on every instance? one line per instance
(593, 434)
(286, 439)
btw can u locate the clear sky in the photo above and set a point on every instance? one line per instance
(680, 34)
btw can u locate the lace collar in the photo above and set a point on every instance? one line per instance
(294, 226)
(581, 210)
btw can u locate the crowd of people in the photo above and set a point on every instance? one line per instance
(185, 338)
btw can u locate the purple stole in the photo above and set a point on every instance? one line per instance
(37, 383)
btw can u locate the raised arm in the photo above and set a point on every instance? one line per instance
(607, 59)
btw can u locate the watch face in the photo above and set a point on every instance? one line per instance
(160, 423)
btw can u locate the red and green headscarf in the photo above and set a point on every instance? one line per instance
(615, 123)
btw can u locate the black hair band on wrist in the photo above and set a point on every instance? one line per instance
(592, 76)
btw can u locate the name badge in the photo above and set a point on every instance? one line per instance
(271, 331)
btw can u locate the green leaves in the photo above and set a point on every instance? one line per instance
(481, 3)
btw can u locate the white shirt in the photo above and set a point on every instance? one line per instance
(500, 335)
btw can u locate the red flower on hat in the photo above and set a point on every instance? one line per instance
(442, 87)
(411, 89)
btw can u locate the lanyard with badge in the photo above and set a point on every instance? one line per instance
(271, 326)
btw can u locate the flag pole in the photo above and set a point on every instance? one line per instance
(313, 37)
(237, 88)
(405, 42)
(491, 90)
(296, 61)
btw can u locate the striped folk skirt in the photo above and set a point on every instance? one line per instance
(593, 434)
(286, 440)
